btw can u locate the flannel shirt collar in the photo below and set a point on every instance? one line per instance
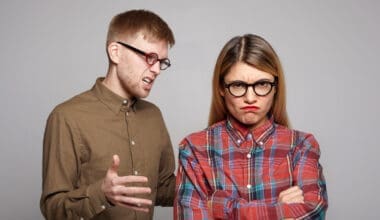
(241, 133)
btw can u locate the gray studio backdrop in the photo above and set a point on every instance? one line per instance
(52, 50)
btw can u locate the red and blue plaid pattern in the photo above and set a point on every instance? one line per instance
(230, 172)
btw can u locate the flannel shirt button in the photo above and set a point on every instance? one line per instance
(261, 143)
(249, 136)
(103, 207)
(125, 101)
(136, 172)
(239, 141)
(132, 142)
(248, 156)
(249, 186)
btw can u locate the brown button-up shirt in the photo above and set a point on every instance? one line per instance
(81, 136)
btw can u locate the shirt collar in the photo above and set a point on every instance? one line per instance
(113, 101)
(240, 133)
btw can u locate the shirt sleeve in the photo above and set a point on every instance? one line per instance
(62, 198)
(191, 187)
(307, 174)
(166, 181)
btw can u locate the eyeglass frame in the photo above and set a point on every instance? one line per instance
(253, 85)
(148, 55)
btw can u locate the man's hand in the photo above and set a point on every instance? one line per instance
(292, 195)
(117, 191)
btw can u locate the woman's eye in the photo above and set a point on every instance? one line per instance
(238, 85)
(263, 84)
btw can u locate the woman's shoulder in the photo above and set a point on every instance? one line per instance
(299, 139)
(283, 130)
(199, 138)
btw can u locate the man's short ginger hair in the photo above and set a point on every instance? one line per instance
(131, 22)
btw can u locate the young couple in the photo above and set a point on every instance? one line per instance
(107, 153)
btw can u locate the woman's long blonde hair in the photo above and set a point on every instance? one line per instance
(256, 52)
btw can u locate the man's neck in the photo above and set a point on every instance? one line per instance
(112, 82)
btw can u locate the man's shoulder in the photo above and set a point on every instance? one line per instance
(74, 103)
(144, 105)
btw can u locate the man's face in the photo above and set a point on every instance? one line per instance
(135, 75)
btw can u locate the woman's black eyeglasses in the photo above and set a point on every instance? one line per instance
(239, 88)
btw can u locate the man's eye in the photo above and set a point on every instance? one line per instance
(152, 58)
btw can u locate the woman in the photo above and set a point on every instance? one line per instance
(248, 164)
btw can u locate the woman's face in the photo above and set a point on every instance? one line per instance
(250, 109)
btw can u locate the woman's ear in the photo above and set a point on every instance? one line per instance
(113, 52)
(222, 91)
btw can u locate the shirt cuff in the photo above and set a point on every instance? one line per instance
(220, 205)
(98, 200)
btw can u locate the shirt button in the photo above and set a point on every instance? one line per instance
(103, 207)
(249, 136)
(125, 102)
(248, 156)
(261, 143)
(249, 186)
(81, 218)
(136, 172)
(132, 142)
(239, 141)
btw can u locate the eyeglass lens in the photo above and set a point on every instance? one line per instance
(239, 88)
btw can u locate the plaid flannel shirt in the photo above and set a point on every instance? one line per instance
(230, 172)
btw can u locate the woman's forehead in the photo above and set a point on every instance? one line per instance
(243, 71)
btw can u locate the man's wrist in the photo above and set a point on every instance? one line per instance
(98, 199)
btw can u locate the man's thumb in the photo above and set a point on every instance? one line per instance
(115, 163)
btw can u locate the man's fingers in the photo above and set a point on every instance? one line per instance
(137, 204)
(130, 191)
(137, 190)
(133, 201)
(124, 180)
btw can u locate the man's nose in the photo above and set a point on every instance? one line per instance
(155, 68)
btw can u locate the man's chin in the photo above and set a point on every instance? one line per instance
(143, 95)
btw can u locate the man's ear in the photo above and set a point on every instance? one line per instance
(113, 50)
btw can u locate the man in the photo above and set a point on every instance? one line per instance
(107, 153)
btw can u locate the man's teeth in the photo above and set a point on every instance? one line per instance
(147, 80)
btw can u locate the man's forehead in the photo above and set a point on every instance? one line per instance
(144, 36)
